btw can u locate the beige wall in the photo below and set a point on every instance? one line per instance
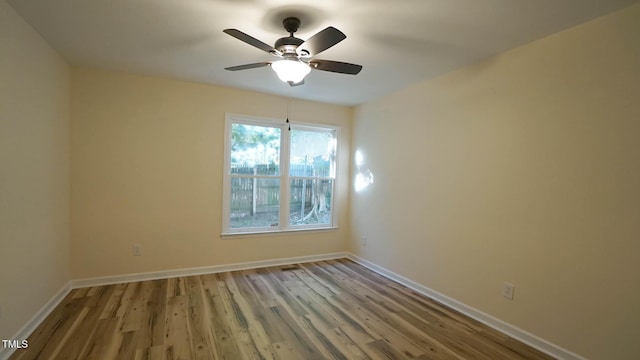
(523, 168)
(34, 172)
(147, 168)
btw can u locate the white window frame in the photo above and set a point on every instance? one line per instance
(284, 177)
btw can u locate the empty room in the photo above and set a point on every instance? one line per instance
(419, 179)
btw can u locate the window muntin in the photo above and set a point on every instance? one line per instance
(256, 198)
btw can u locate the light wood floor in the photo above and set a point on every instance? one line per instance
(322, 310)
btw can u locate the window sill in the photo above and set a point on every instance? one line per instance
(242, 235)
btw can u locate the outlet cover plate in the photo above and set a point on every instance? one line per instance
(508, 290)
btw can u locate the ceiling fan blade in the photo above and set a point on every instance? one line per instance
(336, 66)
(320, 42)
(250, 40)
(292, 84)
(248, 66)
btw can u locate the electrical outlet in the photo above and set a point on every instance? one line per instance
(363, 240)
(137, 249)
(508, 290)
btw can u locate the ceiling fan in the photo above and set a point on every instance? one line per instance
(296, 54)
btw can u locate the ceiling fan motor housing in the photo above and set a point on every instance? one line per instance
(289, 44)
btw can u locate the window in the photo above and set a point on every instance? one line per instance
(276, 179)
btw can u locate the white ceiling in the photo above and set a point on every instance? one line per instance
(398, 42)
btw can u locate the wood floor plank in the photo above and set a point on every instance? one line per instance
(447, 325)
(388, 287)
(177, 334)
(175, 286)
(82, 336)
(61, 337)
(153, 353)
(261, 315)
(225, 342)
(285, 351)
(433, 336)
(320, 340)
(197, 320)
(237, 321)
(38, 339)
(388, 334)
(129, 297)
(258, 319)
(80, 293)
(135, 312)
(106, 342)
(320, 272)
(380, 349)
(54, 331)
(277, 281)
(427, 343)
(264, 295)
(332, 309)
(112, 302)
(295, 336)
(350, 324)
(127, 349)
(151, 331)
(346, 344)
(317, 285)
(333, 315)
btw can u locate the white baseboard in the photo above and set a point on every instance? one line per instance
(506, 328)
(155, 275)
(37, 319)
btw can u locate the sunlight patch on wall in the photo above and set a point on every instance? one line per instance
(364, 176)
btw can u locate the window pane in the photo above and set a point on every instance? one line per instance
(255, 150)
(310, 201)
(254, 202)
(312, 153)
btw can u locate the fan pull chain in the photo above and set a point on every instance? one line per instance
(288, 123)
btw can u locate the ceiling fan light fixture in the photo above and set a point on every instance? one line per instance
(291, 70)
